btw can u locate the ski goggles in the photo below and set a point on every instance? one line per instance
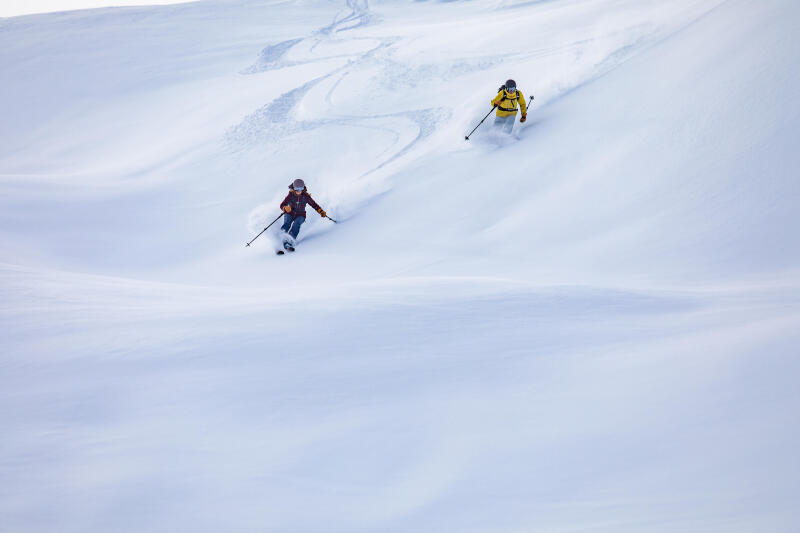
(298, 190)
(511, 89)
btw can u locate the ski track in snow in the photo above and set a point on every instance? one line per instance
(274, 122)
(396, 74)
(270, 127)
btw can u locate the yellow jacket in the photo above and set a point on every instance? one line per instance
(507, 103)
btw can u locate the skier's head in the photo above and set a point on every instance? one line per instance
(298, 186)
(511, 86)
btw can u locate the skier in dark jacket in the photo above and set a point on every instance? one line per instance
(294, 206)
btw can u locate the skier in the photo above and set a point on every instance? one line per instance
(294, 207)
(506, 104)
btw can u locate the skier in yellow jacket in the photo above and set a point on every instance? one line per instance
(507, 101)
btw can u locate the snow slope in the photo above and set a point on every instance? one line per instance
(15, 8)
(591, 326)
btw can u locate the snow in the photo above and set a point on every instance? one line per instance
(591, 325)
(15, 8)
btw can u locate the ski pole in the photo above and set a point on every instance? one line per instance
(479, 123)
(530, 101)
(329, 218)
(265, 229)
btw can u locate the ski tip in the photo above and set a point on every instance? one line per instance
(278, 252)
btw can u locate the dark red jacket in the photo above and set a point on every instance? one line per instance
(298, 203)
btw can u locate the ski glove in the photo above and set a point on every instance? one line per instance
(322, 213)
(524, 118)
(287, 208)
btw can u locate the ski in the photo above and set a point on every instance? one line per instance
(287, 247)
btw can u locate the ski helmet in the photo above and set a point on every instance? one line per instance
(298, 184)
(511, 84)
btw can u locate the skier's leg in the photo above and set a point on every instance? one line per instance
(298, 221)
(287, 222)
(509, 125)
(498, 122)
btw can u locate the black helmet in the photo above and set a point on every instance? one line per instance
(511, 84)
(298, 184)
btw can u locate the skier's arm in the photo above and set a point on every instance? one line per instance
(285, 203)
(316, 206)
(497, 99)
(523, 106)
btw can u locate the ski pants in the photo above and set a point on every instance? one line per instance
(291, 224)
(505, 123)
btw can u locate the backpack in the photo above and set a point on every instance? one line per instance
(514, 99)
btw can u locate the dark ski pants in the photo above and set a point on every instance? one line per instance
(505, 123)
(291, 224)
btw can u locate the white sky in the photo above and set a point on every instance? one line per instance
(13, 8)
